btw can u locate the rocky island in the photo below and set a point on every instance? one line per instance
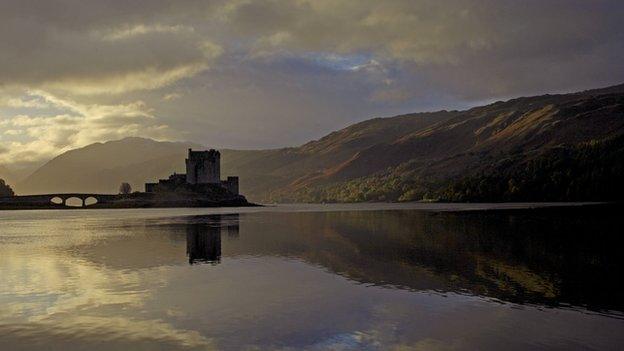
(200, 186)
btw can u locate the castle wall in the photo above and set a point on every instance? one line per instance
(208, 171)
(231, 184)
(149, 187)
(190, 172)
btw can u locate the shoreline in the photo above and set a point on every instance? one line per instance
(360, 206)
(116, 201)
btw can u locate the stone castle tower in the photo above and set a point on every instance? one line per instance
(203, 167)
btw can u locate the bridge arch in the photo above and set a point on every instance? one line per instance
(90, 200)
(74, 201)
(71, 200)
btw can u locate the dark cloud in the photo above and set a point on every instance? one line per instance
(278, 72)
(100, 46)
(497, 47)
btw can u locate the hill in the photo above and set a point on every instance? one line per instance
(550, 147)
(101, 167)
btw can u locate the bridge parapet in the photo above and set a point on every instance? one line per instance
(46, 199)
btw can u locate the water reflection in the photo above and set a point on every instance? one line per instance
(203, 237)
(203, 243)
(316, 280)
(547, 257)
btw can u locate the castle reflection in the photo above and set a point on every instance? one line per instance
(203, 239)
(203, 243)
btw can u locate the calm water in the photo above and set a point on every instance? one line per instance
(363, 277)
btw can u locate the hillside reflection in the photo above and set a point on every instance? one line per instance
(312, 280)
(543, 257)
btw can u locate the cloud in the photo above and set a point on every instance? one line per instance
(41, 48)
(126, 32)
(42, 137)
(85, 47)
(268, 73)
(172, 96)
(147, 78)
(498, 47)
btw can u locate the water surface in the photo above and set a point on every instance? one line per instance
(345, 277)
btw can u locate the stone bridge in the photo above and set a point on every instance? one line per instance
(57, 200)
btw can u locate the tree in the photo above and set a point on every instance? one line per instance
(5, 189)
(125, 188)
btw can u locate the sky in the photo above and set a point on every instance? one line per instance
(262, 74)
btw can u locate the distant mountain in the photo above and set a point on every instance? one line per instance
(551, 147)
(101, 167)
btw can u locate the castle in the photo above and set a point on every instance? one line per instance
(202, 167)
